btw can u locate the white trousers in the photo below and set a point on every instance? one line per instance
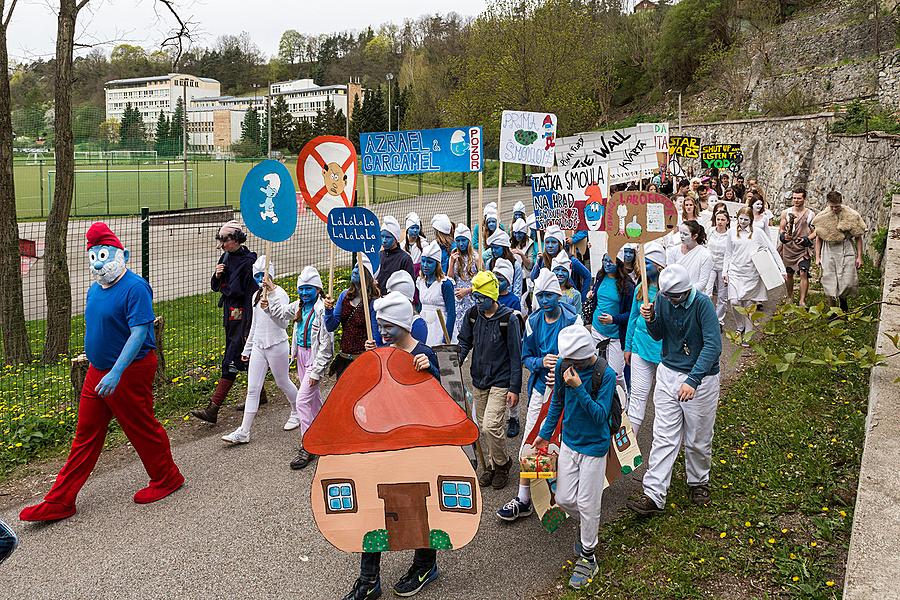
(693, 421)
(615, 356)
(579, 490)
(721, 291)
(276, 359)
(642, 374)
(743, 323)
(532, 412)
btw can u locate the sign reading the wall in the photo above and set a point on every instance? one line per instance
(631, 153)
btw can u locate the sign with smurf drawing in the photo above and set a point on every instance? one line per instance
(269, 201)
(528, 138)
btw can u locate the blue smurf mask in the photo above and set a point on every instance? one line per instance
(354, 275)
(491, 224)
(429, 265)
(518, 215)
(561, 275)
(519, 236)
(482, 302)
(462, 244)
(552, 246)
(390, 332)
(413, 231)
(549, 301)
(107, 263)
(308, 294)
(609, 265)
(628, 254)
(259, 278)
(652, 270)
(504, 284)
(387, 240)
(497, 251)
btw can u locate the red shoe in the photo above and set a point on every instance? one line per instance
(46, 511)
(152, 492)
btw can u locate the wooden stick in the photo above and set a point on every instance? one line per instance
(265, 290)
(440, 314)
(366, 189)
(363, 286)
(499, 191)
(331, 270)
(480, 199)
(643, 267)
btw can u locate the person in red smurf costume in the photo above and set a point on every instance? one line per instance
(121, 348)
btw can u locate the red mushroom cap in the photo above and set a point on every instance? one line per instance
(382, 403)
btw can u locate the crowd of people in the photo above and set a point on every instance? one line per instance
(514, 300)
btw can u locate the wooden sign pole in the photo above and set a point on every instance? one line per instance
(364, 288)
(480, 197)
(440, 314)
(642, 264)
(366, 190)
(499, 190)
(265, 290)
(331, 270)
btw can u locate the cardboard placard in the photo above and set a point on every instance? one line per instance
(574, 200)
(637, 218)
(447, 150)
(527, 138)
(326, 174)
(684, 146)
(722, 156)
(356, 229)
(269, 201)
(768, 269)
(631, 152)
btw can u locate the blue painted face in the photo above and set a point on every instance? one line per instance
(628, 254)
(561, 275)
(387, 240)
(259, 278)
(107, 263)
(414, 231)
(504, 284)
(519, 236)
(462, 244)
(429, 265)
(497, 251)
(518, 215)
(482, 302)
(552, 246)
(549, 301)
(354, 275)
(308, 294)
(652, 270)
(491, 225)
(609, 265)
(390, 332)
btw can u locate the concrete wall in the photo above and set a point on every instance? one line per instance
(798, 151)
(873, 563)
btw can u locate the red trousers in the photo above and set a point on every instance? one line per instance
(132, 406)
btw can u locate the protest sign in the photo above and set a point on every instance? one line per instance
(269, 202)
(722, 156)
(661, 142)
(326, 174)
(631, 153)
(356, 229)
(684, 146)
(573, 200)
(448, 150)
(527, 137)
(637, 218)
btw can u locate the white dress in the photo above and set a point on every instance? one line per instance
(744, 282)
(432, 299)
(762, 223)
(698, 262)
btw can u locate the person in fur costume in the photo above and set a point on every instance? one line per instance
(839, 248)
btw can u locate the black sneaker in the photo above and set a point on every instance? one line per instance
(644, 506)
(414, 580)
(512, 427)
(302, 459)
(700, 495)
(486, 477)
(365, 590)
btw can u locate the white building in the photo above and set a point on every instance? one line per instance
(152, 95)
(304, 97)
(214, 123)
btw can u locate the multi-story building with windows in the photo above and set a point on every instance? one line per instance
(152, 95)
(304, 97)
(214, 123)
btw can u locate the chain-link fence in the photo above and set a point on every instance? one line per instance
(176, 251)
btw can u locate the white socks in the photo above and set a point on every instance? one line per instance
(524, 493)
(247, 422)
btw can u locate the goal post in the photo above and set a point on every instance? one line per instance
(124, 191)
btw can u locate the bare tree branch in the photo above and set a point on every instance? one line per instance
(80, 5)
(12, 7)
(183, 32)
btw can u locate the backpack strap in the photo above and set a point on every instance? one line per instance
(597, 375)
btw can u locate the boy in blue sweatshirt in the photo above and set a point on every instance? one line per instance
(687, 388)
(581, 467)
(8, 541)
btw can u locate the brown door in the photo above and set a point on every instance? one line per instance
(405, 514)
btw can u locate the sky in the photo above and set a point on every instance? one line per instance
(32, 31)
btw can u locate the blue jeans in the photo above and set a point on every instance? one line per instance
(8, 541)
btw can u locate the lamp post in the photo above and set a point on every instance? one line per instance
(397, 107)
(669, 91)
(390, 79)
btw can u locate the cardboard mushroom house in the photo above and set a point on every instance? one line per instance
(392, 473)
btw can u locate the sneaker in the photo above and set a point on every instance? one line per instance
(414, 580)
(292, 423)
(514, 509)
(644, 506)
(700, 494)
(365, 590)
(302, 459)
(501, 476)
(512, 427)
(584, 573)
(486, 477)
(238, 436)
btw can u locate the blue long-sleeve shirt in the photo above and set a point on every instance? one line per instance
(638, 340)
(693, 325)
(420, 329)
(447, 293)
(586, 419)
(581, 277)
(333, 318)
(540, 340)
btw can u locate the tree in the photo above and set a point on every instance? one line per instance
(282, 122)
(56, 280)
(86, 123)
(301, 133)
(264, 133)
(16, 348)
(250, 133)
(355, 121)
(109, 134)
(176, 129)
(292, 47)
(132, 135)
(163, 139)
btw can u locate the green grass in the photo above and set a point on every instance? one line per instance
(122, 189)
(786, 458)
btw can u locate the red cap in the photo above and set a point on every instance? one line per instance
(99, 234)
(548, 120)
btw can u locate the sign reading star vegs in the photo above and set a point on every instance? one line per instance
(448, 150)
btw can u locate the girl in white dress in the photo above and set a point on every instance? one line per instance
(693, 255)
(414, 240)
(716, 240)
(435, 294)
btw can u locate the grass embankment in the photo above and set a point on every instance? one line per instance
(38, 407)
(786, 458)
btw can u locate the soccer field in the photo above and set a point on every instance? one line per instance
(122, 189)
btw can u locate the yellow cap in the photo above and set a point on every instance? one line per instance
(486, 283)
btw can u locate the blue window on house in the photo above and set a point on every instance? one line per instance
(339, 497)
(457, 494)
